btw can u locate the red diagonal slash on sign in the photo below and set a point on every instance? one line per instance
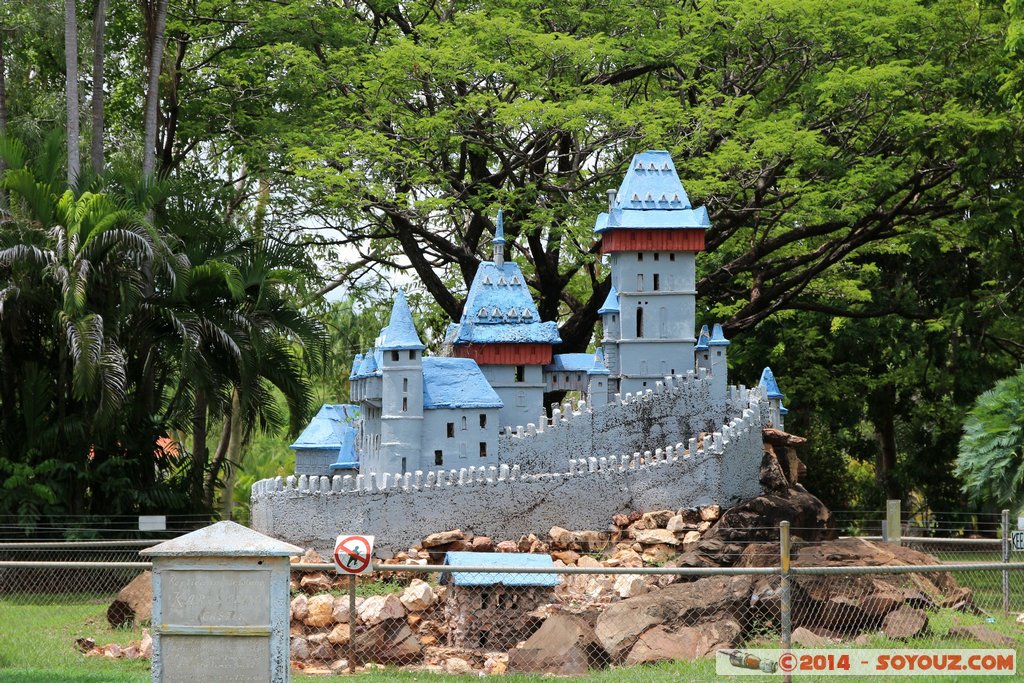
(352, 554)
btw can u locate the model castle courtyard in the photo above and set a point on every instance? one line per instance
(472, 415)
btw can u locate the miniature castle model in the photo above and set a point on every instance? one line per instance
(434, 430)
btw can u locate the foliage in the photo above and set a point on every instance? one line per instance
(991, 456)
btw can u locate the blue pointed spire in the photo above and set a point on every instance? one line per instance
(599, 366)
(356, 363)
(401, 331)
(347, 458)
(611, 303)
(769, 384)
(718, 337)
(369, 366)
(499, 229)
(702, 339)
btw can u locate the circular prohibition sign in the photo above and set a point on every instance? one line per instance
(352, 554)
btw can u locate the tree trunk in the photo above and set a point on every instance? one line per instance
(200, 453)
(884, 420)
(234, 457)
(99, 27)
(218, 462)
(153, 90)
(3, 111)
(71, 88)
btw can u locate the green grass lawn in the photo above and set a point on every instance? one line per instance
(37, 646)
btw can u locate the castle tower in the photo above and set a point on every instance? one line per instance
(776, 416)
(401, 413)
(718, 360)
(702, 351)
(502, 331)
(609, 313)
(597, 376)
(652, 236)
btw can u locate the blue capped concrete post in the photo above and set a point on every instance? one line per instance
(609, 313)
(597, 389)
(776, 411)
(718, 361)
(221, 607)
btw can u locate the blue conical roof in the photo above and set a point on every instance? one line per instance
(769, 383)
(599, 366)
(357, 362)
(718, 337)
(401, 331)
(611, 302)
(369, 366)
(499, 229)
(703, 338)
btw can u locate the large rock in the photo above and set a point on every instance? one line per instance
(982, 633)
(906, 622)
(708, 600)
(564, 645)
(378, 608)
(320, 611)
(688, 642)
(388, 642)
(316, 582)
(134, 603)
(340, 612)
(758, 519)
(442, 538)
(418, 596)
(654, 536)
(300, 607)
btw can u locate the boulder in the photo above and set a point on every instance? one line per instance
(311, 557)
(710, 513)
(561, 539)
(320, 611)
(417, 596)
(390, 641)
(707, 600)
(625, 557)
(340, 634)
(507, 547)
(653, 536)
(658, 554)
(657, 519)
(805, 638)
(299, 649)
(482, 544)
(688, 642)
(134, 603)
(320, 647)
(300, 607)
(772, 476)
(564, 645)
(629, 585)
(316, 582)
(146, 645)
(567, 557)
(905, 622)
(983, 634)
(457, 666)
(340, 612)
(378, 608)
(442, 538)
(591, 541)
(757, 519)
(877, 605)
(678, 524)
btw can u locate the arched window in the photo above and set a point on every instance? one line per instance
(639, 282)
(639, 322)
(463, 423)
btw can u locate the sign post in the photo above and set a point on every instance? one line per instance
(352, 556)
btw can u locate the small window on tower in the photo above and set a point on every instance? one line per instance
(671, 257)
(657, 282)
(639, 322)
(405, 384)
(451, 430)
(639, 282)
(405, 404)
(655, 256)
(520, 373)
(639, 256)
(412, 355)
(463, 423)
(483, 449)
(394, 355)
(483, 420)
(438, 458)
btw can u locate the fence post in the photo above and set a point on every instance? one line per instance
(785, 593)
(892, 522)
(1006, 559)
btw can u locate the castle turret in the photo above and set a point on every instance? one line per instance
(502, 331)
(702, 351)
(776, 416)
(652, 236)
(597, 389)
(609, 313)
(401, 417)
(718, 360)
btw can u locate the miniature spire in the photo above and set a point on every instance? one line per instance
(499, 240)
(769, 384)
(401, 331)
(718, 337)
(369, 366)
(599, 366)
(356, 363)
(611, 303)
(703, 338)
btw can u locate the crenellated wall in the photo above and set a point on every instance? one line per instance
(508, 501)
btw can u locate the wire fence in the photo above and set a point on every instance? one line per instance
(609, 604)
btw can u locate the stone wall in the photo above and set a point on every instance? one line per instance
(505, 502)
(676, 410)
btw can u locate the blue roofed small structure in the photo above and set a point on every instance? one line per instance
(370, 365)
(500, 310)
(611, 302)
(357, 363)
(651, 196)
(401, 330)
(598, 367)
(328, 440)
(769, 384)
(570, 362)
(718, 336)
(456, 383)
(702, 339)
(498, 561)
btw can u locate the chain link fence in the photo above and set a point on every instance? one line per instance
(600, 609)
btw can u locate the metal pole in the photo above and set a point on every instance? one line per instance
(892, 522)
(352, 623)
(786, 597)
(1006, 560)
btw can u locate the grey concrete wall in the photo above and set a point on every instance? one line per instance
(506, 503)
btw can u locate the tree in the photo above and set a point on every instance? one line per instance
(156, 27)
(99, 26)
(71, 89)
(991, 458)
